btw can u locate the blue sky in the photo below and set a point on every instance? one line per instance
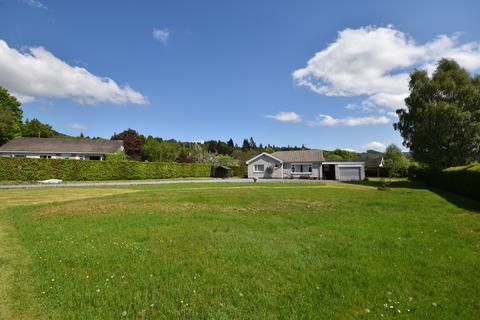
(200, 70)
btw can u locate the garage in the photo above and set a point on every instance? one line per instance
(350, 173)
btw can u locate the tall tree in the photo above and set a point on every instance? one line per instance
(34, 128)
(441, 124)
(253, 145)
(246, 145)
(132, 142)
(395, 160)
(10, 117)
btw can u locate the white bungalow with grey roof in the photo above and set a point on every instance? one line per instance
(303, 164)
(60, 148)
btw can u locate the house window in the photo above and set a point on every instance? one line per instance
(259, 168)
(302, 168)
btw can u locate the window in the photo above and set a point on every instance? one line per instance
(302, 168)
(259, 168)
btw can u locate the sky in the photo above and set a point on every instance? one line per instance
(326, 74)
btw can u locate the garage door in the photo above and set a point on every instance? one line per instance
(349, 173)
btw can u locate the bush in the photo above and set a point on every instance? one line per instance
(384, 185)
(240, 171)
(119, 155)
(464, 180)
(25, 169)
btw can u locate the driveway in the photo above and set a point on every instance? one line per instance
(138, 183)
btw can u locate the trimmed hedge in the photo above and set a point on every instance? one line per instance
(464, 180)
(27, 169)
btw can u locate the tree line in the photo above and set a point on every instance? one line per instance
(440, 125)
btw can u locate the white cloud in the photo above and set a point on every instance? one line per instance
(375, 145)
(161, 35)
(77, 126)
(323, 120)
(286, 117)
(37, 73)
(376, 61)
(35, 3)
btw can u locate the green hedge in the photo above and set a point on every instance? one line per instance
(464, 180)
(25, 169)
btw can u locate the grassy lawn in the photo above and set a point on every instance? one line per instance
(238, 251)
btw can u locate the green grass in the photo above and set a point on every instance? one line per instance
(238, 251)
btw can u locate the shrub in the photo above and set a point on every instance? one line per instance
(119, 155)
(384, 185)
(25, 169)
(240, 171)
(464, 180)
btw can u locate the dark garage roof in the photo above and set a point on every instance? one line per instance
(299, 155)
(59, 145)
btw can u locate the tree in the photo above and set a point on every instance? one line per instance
(395, 160)
(231, 144)
(345, 154)
(156, 149)
(225, 160)
(441, 124)
(34, 128)
(10, 117)
(246, 145)
(132, 142)
(252, 143)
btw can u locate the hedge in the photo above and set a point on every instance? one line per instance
(464, 180)
(27, 169)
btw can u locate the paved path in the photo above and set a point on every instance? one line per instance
(138, 183)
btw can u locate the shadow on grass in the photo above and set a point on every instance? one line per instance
(456, 199)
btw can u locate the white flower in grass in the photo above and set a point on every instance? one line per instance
(98, 290)
(124, 313)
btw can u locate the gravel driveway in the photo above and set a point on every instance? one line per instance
(138, 183)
